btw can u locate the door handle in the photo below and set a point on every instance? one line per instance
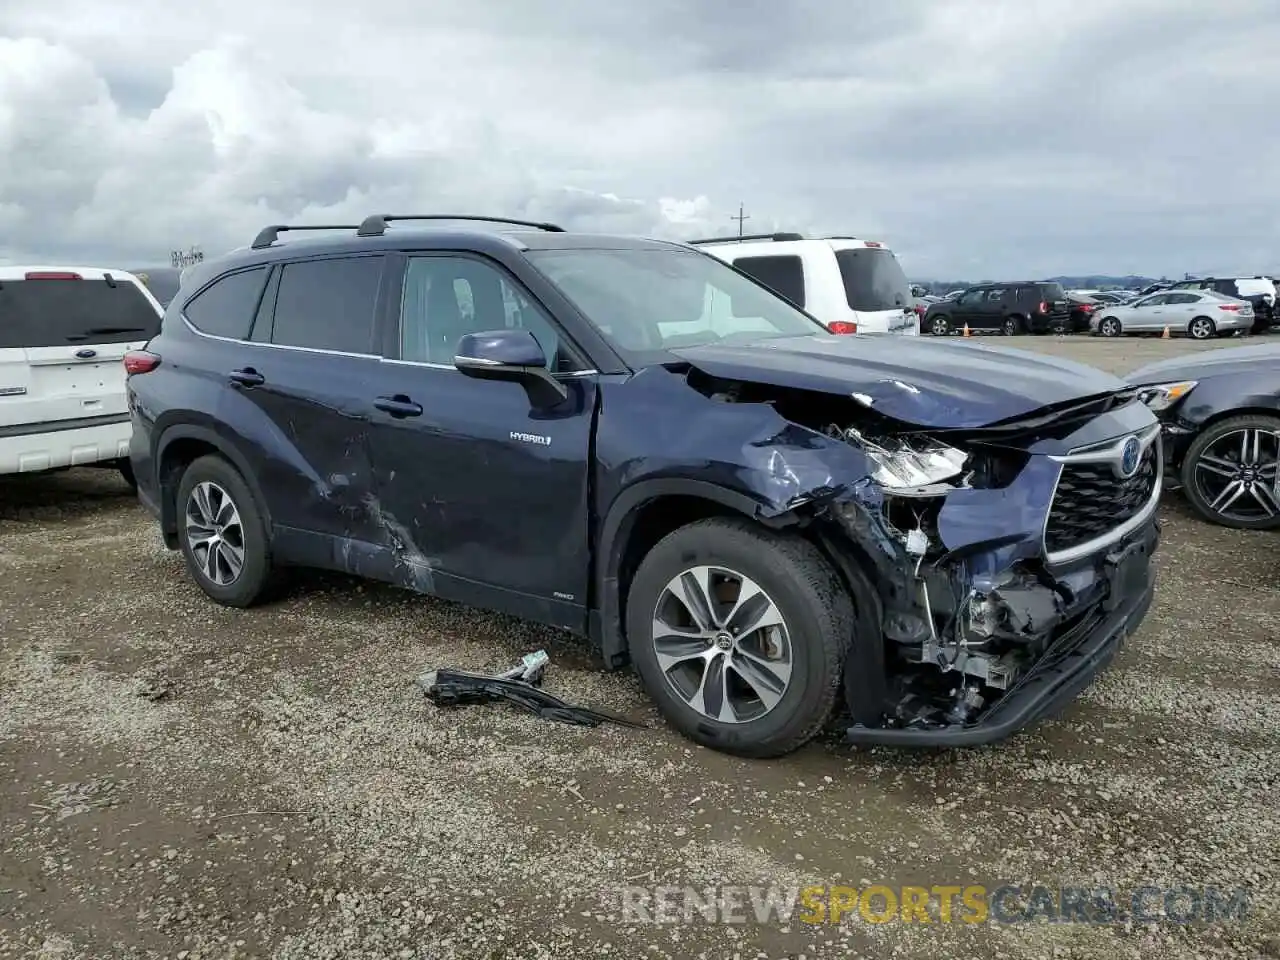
(398, 406)
(248, 377)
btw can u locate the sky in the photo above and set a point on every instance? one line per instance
(980, 139)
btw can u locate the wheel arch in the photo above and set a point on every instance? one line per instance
(180, 445)
(639, 517)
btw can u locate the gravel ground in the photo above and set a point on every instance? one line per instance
(181, 780)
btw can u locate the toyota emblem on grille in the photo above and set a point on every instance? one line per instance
(1129, 457)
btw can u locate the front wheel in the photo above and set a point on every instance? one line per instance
(739, 636)
(1229, 472)
(1109, 327)
(222, 533)
(1012, 326)
(1202, 328)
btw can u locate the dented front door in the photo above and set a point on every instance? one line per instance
(483, 499)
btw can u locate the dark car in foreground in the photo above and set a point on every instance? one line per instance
(1011, 308)
(1221, 426)
(631, 440)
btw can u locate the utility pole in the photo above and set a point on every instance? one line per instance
(741, 218)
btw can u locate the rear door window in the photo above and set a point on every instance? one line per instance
(225, 308)
(58, 312)
(782, 275)
(873, 279)
(328, 304)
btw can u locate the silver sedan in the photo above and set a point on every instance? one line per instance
(1200, 314)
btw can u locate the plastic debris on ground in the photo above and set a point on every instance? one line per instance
(521, 685)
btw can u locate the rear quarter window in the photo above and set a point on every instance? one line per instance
(1051, 291)
(226, 307)
(64, 312)
(782, 275)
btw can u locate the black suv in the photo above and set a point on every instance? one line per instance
(1013, 308)
(634, 441)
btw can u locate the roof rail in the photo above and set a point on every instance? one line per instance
(750, 236)
(376, 224)
(269, 235)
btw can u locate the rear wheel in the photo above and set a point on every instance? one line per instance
(1201, 328)
(739, 636)
(939, 326)
(222, 534)
(1109, 327)
(1229, 472)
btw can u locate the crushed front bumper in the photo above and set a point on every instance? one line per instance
(1069, 665)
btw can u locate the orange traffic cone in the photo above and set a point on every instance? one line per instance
(966, 330)
(1166, 335)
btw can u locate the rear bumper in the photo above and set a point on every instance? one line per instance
(1057, 679)
(34, 448)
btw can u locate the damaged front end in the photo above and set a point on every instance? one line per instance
(1009, 563)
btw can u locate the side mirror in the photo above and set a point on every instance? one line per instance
(510, 355)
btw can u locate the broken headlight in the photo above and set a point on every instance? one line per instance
(915, 464)
(1161, 396)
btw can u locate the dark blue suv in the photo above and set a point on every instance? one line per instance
(632, 440)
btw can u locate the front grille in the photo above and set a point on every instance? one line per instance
(1091, 500)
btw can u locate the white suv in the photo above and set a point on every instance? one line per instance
(64, 332)
(857, 285)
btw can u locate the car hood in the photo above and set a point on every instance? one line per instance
(1214, 363)
(921, 381)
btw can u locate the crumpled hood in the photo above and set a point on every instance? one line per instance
(1214, 363)
(927, 382)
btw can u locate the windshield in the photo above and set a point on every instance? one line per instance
(58, 312)
(650, 301)
(873, 279)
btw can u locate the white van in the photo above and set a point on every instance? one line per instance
(857, 284)
(64, 332)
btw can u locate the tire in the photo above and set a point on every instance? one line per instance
(250, 582)
(817, 616)
(1012, 326)
(940, 326)
(1202, 328)
(1109, 327)
(126, 472)
(1203, 480)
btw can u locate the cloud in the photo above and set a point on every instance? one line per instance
(979, 138)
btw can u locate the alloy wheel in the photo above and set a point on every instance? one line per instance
(939, 327)
(1201, 328)
(215, 534)
(1109, 327)
(1237, 475)
(722, 644)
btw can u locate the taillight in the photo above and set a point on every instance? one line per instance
(842, 326)
(919, 309)
(1233, 307)
(1087, 307)
(873, 243)
(140, 361)
(52, 275)
(1044, 307)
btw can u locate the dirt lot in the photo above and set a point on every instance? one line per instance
(181, 780)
